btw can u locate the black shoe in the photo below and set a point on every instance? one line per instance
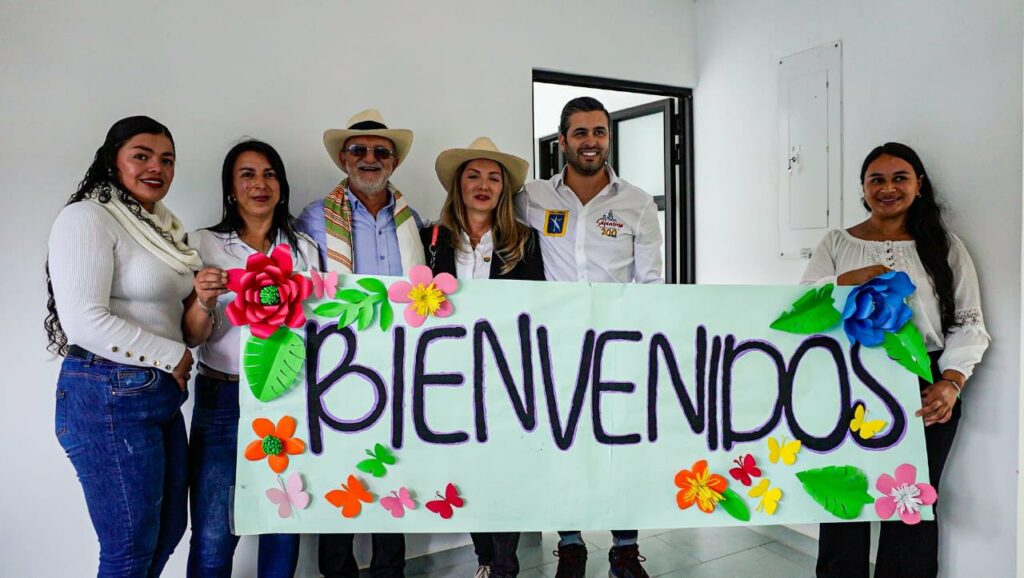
(572, 561)
(625, 562)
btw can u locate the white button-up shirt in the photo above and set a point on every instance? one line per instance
(228, 251)
(474, 262)
(615, 238)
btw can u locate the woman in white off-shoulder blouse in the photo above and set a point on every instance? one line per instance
(905, 233)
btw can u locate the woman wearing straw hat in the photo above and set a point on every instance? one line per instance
(478, 237)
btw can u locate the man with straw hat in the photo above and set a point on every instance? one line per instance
(364, 226)
(594, 227)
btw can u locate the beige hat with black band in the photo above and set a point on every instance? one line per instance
(366, 123)
(449, 161)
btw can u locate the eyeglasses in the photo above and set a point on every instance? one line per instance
(359, 151)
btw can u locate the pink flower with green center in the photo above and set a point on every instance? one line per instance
(903, 495)
(268, 293)
(426, 294)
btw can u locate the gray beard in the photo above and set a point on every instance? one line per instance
(368, 188)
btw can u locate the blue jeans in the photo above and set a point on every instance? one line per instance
(122, 429)
(212, 453)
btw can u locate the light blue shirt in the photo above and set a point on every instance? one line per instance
(374, 239)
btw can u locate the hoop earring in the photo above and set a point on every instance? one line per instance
(231, 200)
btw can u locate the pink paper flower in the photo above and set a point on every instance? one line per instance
(903, 495)
(425, 294)
(268, 293)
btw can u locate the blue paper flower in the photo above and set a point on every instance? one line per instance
(877, 307)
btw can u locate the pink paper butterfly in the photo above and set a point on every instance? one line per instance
(290, 494)
(398, 502)
(444, 507)
(324, 285)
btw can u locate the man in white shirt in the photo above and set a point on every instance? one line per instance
(594, 227)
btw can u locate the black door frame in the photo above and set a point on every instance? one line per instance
(680, 217)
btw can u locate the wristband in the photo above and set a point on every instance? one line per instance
(959, 389)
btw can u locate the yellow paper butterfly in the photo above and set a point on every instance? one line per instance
(785, 450)
(866, 428)
(769, 498)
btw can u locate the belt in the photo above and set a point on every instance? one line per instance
(214, 374)
(83, 353)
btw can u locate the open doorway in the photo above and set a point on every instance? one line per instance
(651, 147)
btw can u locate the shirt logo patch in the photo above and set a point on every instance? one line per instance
(609, 225)
(554, 223)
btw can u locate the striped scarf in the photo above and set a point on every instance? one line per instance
(338, 214)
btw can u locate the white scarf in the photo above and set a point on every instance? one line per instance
(177, 255)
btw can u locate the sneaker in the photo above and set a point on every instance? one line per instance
(483, 572)
(572, 561)
(625, 562)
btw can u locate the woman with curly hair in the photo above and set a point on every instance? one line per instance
(119, 273)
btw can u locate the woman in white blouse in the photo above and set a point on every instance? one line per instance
(905, 232)
(119, 273)
(255, 219)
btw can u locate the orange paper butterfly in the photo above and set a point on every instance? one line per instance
(350, 497)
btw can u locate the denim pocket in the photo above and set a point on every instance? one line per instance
(134, 381)
(60, 417)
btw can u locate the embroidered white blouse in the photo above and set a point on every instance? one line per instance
(474, 262)
(840, 252)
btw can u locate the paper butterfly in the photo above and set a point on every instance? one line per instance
(324, 285)
(866, 428)
(397, 502)
(769, 498)
(380, 458)
(747, 468)
(349, 497)
(444, 506)
(786, 450)
(290, 494)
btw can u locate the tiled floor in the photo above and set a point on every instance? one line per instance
(697, 553)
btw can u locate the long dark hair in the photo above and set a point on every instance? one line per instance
(925, 225)
(101, 181)
(231, 221)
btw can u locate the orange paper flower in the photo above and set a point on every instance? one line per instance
(700, 486)
(276, 443)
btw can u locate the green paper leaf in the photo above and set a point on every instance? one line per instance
(365, 316)
(387, 316)
(814, 312)
(272, 364)
(350, 295)
(841, 490)
(735, 506)
(347, 316)
(372, 285)
(331, 309)
(906, 347)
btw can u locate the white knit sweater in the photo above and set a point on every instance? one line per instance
(113, 297)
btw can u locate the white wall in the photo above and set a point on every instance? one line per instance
(944, 76)
(281, 71)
